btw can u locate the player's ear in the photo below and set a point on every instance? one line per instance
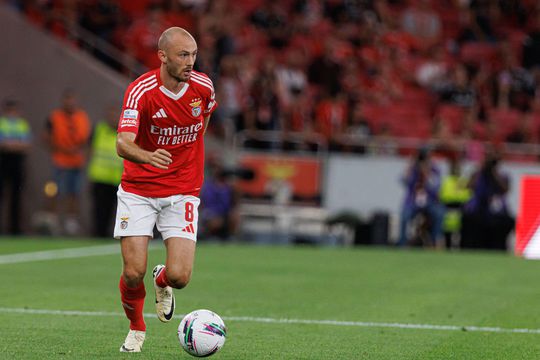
(162, 56)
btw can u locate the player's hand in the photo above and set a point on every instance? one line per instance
(160, 159)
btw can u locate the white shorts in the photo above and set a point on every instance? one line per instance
(174, 216)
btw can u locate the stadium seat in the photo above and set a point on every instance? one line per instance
(451, 114)
(505, 119)
(477, 53)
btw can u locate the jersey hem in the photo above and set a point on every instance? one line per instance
(153, 194)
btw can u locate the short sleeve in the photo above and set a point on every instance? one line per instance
(130, 115)
(211, 103)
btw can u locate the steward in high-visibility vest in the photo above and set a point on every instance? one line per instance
(454, 193)
(105, 165)
(15, 139)
(104, 172)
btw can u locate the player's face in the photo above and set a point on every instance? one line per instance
(180, 58)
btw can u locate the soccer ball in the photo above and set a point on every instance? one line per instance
(202, 333)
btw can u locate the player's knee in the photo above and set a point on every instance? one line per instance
(178, 279)
(133, 277)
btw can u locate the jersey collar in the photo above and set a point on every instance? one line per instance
(168, 92)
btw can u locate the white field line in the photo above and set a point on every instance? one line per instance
(288, 321)
(63, 253)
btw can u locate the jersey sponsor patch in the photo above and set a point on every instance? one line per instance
(127, 123)
(130, 114)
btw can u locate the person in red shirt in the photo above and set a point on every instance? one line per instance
(160, 136)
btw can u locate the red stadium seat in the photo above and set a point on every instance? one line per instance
(505, 119)
(478, 53)
(408, 120)
(451, 114)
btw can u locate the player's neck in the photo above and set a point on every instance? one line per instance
(170, 83)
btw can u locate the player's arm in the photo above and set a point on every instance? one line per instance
(127, 149)
(206, 121)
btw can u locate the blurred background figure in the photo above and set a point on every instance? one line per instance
(67, 133)
(105, 171)
(486, 219)
(219, 217)
(421, 21)
(454, 194)
(422, 182)
(15, 136)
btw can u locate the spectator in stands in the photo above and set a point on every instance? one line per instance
(15, 139)
(384, 142)
(298, 125)
(100, 17)
(219, 217)
(105, 171)
(531, 45)
(291, 79)
(422, 184)
(422, 22)
(182, 13)
(264, 112)
(232, 98)
(272, 18)
(515, 85)
(459, 90)
(475, 27)
(325, 71)
(358, 130)
(432, 72)
(141, 38)
(486, 219)
(67, 133)
(331, 115)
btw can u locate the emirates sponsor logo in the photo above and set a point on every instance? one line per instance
(176, 134)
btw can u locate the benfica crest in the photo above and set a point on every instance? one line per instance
(195, 107)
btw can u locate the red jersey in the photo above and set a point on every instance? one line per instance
(174, 122)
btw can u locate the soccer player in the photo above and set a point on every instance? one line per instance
(160, 136)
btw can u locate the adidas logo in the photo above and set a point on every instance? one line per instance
(189, 229)
(159, 114)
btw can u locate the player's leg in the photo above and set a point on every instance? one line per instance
(135, 219)
(179, 265)
(73, 188)
(132, 291)
(407, 214)
(176, 273)
(177, 223)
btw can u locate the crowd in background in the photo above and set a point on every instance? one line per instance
(342, 75)
(336, 73)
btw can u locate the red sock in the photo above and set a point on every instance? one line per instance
(162, 280)
(133, 303)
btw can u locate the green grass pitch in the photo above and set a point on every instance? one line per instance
(367, 285)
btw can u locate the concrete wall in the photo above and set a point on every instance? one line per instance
(36, 68)
(368, 184)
